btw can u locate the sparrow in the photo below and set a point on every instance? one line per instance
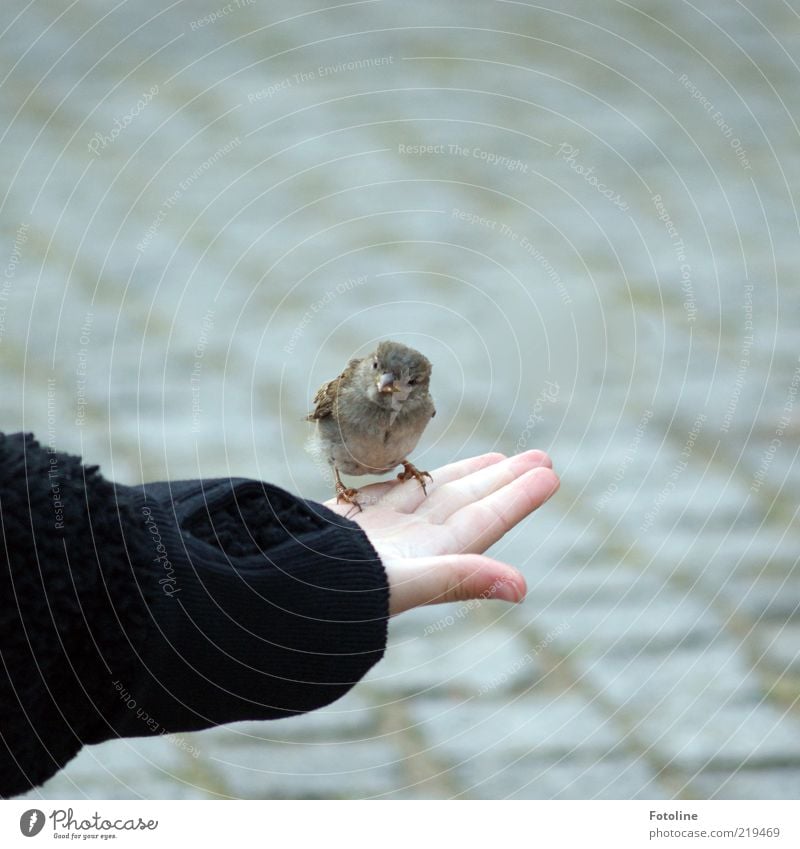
(370, 418)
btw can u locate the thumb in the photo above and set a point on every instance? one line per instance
(414, 581)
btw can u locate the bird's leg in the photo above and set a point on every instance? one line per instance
(411, 471)
(344, 493)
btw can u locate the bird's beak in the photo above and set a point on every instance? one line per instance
(386, 382)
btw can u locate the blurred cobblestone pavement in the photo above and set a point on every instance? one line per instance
(205, 207)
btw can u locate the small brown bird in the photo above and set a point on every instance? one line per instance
(370, 418)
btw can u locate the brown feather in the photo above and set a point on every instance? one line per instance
(325, 399)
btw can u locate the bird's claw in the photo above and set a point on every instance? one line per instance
(348, 495)
(411, 471)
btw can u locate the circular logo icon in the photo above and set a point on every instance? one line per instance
(31, 822)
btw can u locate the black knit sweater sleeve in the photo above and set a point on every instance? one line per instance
(129, 611)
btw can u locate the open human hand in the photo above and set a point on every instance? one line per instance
(432, 546)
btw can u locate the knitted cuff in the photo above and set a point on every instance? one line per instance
(269, 606)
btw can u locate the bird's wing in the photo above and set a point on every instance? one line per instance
(325, 399)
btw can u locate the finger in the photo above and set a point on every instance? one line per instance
(407, 495)
(482, 523)
(458, 493)
(450, 577)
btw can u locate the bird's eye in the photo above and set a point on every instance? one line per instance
(413, 381)
(374, 364)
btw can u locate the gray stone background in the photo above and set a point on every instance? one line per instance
(207, 208)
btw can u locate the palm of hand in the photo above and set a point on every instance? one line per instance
(432, 546)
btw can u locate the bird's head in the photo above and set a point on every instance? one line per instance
(397, 372)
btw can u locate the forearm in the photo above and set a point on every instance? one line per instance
(270, 606)
(204, 602)
(71, 567)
